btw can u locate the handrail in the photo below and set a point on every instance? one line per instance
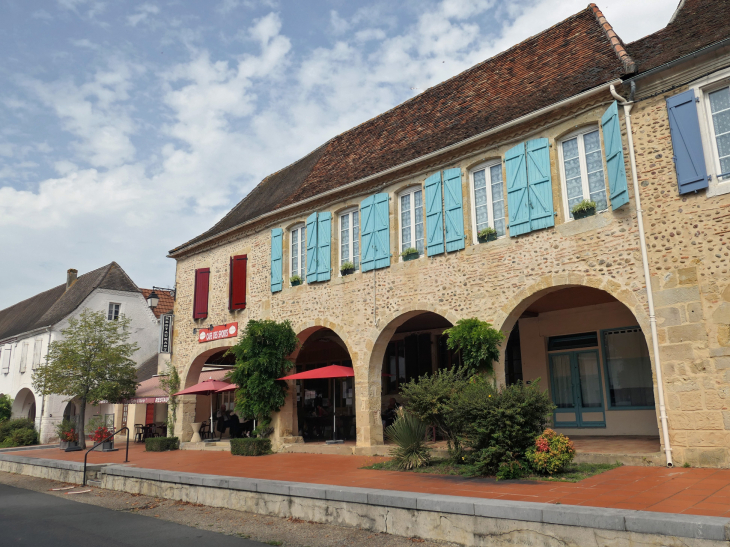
(105, 439)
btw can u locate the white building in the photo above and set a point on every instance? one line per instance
(28, 327)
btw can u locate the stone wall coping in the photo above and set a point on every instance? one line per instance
(645, 522)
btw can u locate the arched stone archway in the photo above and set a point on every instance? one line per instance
(588, 341)
(24, 404)
(369, 379)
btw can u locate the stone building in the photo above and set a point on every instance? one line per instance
(512, 144)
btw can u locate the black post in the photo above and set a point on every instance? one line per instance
(105, 439)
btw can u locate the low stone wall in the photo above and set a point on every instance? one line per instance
(469, 521)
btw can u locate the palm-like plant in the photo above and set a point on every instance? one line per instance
(409, 433)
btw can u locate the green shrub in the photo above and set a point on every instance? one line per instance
(161, 444)
(499, 426)
(409, 433)
(6, 407)
(7, 427)
(550, 453)
(431, 399)
(253, 446)
(477, 342)
(23, 437)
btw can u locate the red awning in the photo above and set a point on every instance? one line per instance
(229, 387)
(204, 388)
(332, 371)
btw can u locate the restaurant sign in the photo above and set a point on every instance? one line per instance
(166, 334)
(229, 330)
(147, 400)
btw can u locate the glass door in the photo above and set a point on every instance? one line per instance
(575, 379)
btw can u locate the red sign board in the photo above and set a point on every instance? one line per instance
(229, 330)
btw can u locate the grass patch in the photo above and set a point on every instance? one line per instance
(573, 473)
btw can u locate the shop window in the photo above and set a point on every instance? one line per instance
(628, 369)
(406, 360)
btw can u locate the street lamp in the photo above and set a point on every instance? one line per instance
(153, 299)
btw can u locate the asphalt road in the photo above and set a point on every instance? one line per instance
(32, 518)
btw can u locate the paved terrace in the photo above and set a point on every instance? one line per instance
(690, 491)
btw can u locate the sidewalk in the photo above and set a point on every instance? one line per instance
(679, 490)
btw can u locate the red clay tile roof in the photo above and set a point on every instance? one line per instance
(575, 55)
(696, 24)
(166, 303)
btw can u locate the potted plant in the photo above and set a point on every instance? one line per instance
(347, 268)
(583, 209)
(411, 253)
(67, 435)
(295, 280)
(487, 234)
(101, 433)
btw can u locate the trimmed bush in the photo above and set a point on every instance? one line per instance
(7, 427)
(161, 444)
(23, 437)
(551, 453)
(250, 447)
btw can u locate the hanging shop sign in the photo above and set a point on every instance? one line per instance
(166, 334)
(229, 330)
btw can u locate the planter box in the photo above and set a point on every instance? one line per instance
(348, 271)
(583, 214)
(411, 257)
(295, 283)
(68, 446)
(107, 446)
(490, 237)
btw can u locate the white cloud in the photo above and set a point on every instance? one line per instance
(142, 13)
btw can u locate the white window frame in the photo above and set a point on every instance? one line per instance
(109, 311)
(486, 166)
(345, 213)
(583, 167)
(412, 191)
(301, 228)
(702, 89)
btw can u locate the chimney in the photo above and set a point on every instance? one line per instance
(71, 277)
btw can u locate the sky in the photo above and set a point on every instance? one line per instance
(128, 128)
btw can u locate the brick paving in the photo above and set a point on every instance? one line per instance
(680, 490)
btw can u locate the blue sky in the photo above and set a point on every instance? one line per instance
(127, 128)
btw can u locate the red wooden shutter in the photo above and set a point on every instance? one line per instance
(200, 300)
(237, 283)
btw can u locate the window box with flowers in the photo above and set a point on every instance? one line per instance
(411, 253)
(487, 234)
(295, 280)
(99, 434)
(347, 268)
(584, 209)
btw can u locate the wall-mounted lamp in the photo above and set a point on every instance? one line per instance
(153, 299)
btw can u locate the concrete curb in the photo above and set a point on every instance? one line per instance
(644, 522)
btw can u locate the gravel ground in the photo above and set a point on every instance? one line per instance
(266, 529)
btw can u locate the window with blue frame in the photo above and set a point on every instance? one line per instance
(628, 369)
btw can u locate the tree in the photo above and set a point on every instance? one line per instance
(92, 363)
(261, 358)
(477, 342)
(6, 407)
(170, 384)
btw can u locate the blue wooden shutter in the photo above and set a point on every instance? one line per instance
(453, 210)
(324, 235)
(277, 272)
(689, 157)
(518, 207)
(434, 215)
(614, 154)
(539, 184)
(381, 230)
(367, 233)
(311, 248)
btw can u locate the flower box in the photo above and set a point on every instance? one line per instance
(584, 213)
(412, 256)
(296, 283)
(490, 237)
(347, 271)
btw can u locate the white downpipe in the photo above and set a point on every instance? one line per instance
(647, 278)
